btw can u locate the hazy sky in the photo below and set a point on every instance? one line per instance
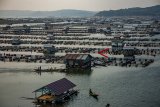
(93, 5)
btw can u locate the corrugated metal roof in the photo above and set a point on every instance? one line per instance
(128, 48)
(69, 56)
(79, 57)
(84, 57)
(76, 56)
(58, 87)
(66, 56)
(120, 44)
(47, 45)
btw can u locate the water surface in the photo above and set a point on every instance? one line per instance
(119, 86)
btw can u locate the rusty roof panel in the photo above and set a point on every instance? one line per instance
(76, 56)
(79, 57)
(66, 56)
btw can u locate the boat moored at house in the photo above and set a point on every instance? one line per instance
(56, 92)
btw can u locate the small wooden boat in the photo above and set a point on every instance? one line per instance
(43, 70)
(93, 94)
(47, 70)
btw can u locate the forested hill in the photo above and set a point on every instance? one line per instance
(148, 11)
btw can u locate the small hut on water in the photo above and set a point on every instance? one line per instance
(16, 41)
(56, 92)
(117, 46)
(49, 49)
(129, 52)
(81, 61)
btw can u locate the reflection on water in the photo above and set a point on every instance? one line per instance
(50, 105)
(79, 72)
(119, 86)
(28, 66)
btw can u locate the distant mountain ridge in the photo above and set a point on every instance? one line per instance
(148, 11)
(41, 14)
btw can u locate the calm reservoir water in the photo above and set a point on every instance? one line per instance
(119, 86)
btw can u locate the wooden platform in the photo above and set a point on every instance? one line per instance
(47, 98)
